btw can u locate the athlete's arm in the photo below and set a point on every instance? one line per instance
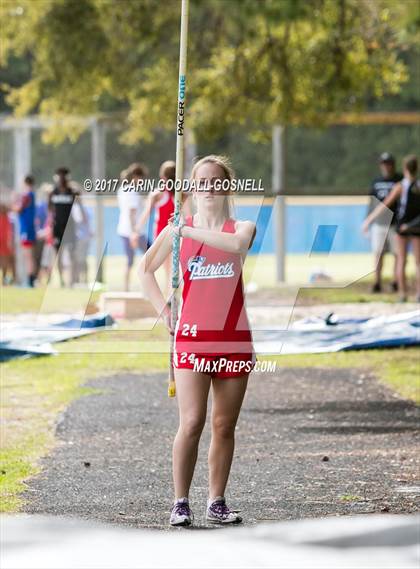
(413, 226)
(383, 206)
(21, 203)
(371, 207)
(149, 264)
(238, 242)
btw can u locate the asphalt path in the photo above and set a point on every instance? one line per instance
(309, 443)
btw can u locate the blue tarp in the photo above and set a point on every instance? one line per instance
(311, 335)
(334, 334)
(31, 339)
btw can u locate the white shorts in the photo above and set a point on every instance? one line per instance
(382, 239)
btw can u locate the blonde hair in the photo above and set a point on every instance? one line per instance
(224, 163)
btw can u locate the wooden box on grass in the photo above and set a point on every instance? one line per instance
(126, 305)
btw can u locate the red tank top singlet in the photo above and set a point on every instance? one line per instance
(164, 208)
(213, 317)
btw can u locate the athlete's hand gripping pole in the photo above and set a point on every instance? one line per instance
(179, 175)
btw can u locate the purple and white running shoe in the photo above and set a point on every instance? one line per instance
(219, 513)
(181, 514)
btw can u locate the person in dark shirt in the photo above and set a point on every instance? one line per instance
(60, 203)
(381, 234)
(406, 194)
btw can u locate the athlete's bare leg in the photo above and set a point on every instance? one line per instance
(416, 251)
(395, 272)
(28, 254)
(73, 264)
(60, 265)
(379, 261)
(192, 390)
(401, 245)
(228, 395)
(3, 268)
(127, 278)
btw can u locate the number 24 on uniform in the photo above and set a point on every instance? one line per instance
(188, 330)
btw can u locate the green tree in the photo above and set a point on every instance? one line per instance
(251, 62)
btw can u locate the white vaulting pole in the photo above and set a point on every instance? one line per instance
(180, 146)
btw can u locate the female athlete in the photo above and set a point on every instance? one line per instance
(407, 195)
(213, 342)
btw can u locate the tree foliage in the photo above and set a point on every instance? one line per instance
(251, 62)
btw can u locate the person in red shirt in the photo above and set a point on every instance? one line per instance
(7, 249)
(213, 341)
(162, 202)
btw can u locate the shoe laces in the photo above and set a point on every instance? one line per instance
(182, 509)
(220, 508)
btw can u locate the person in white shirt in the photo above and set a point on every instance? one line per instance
(130, 203)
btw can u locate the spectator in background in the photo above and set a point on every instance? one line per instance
(406, 194)
(382, 238)
(63, 228)
(163, 204)
(83, 235)
(131, 204)
(7, 256)
(48, 251)
(25, 208)
(41, 216)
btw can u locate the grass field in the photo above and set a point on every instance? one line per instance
(352, 282)
(17, 300)
(343, 268)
